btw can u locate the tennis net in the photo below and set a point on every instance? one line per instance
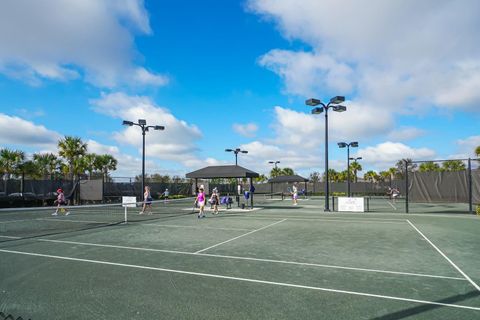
(40, 221)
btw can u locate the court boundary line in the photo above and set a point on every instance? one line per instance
(251, 259)
(192, 227)
(327, 218)
(240, 236)
(445, 256)
(217, 276)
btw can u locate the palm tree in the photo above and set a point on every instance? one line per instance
(401, 166)
(384, 175)
(106, 163)
(315, 178)
(47, 162)
(261, 179)
(275, 172)
(392, 172)
(287, 172)
(90, 163)
(10, 161)
(72, 148)
(477, 151)
(370, 176)
(355, 167)
(453, 165)
(428, 167)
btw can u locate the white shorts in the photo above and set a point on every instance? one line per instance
(201, 203)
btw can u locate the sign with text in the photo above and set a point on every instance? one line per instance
(129, 202)
(351, 204)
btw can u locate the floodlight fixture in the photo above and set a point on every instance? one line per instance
(339, 108)
(354, 144)
(127, 123)
(342, 144)
(142, 122)
(159, 128)
(313, 102)
(317, 110)
(274, 163)
(337, 99)
(355, 159)
(236, 151)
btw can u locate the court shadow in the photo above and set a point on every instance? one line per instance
(427, 307)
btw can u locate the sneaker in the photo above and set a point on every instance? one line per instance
(141, 212)
(67, 213)
(54, 214)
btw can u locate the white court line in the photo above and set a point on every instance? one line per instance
(74, 221)
(192, 227)
(443, 255)
(10, 237)
(12, 221)
(209, 275)
(328, 219)
(391, 204)
(252, 259)
(240, 236)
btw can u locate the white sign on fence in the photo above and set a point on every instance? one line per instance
(129, 202)
(350, 204)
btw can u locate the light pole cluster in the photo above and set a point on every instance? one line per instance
(335, 105)
(274, 163)
(142, 123)
(353, 144)
(236, 151)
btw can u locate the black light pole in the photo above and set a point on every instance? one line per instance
(274, 163)
(236, 151)
(334, 104)
(348, 145)
(142, 123)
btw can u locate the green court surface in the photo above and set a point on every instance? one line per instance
(277, 262)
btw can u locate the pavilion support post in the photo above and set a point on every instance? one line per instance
(251, 193)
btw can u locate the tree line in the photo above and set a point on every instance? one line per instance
(71, 162)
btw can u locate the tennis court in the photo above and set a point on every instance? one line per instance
(277, 262)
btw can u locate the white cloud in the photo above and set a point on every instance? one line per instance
(405, 133)
(466, 147)
(306, 131)
(63, 40)
(17, 131)
(386, 154)
(402, 66)
(176, 143)
(247, 130)
(305, 73)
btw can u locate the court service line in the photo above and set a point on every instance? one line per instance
(240, 236)
(328, 219)
(193, 227)
(443, 255)
(251, 259)
(10, 237)
(217, 276)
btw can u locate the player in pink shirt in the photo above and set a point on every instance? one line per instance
(200, 200)
(60, 202)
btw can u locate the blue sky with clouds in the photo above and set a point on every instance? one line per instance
(225, 74)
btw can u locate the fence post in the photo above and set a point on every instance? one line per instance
(406, 186)
(470, 195)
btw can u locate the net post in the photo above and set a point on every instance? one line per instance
(333, 203)
(470, 195)
(368, 203)
(406, 186)
(126, 218)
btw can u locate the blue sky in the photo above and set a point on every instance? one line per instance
(225, 74)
